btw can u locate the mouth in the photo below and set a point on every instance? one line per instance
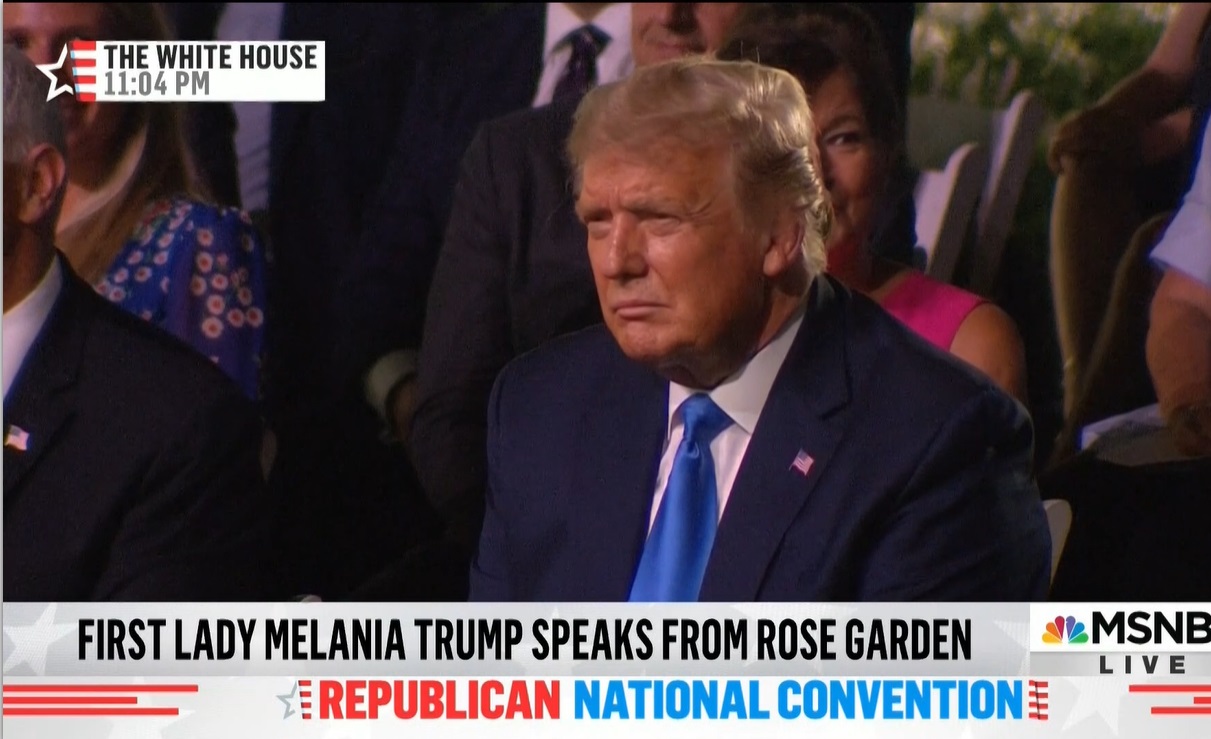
(634, 310)
(671, 47)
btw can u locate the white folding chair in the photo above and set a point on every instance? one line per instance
(938, 127)
(1014, 133)
(1059, 521)
(946, 201)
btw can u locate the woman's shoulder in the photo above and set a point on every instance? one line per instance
(917, 287)
(182, 209)
(933, 309)
(181, 218)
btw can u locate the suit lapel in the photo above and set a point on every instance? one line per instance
(613, 480)
(799, 416)
(42, 399)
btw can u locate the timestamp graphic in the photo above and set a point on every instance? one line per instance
(147, 71)
(145, 84)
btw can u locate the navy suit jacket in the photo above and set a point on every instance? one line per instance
(141, 478)
(920, 488)
(512, 274)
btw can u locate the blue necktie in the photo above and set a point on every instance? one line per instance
(679, 546)
(580, 74)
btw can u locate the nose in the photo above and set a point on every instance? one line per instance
(681, 17)
(623, 251)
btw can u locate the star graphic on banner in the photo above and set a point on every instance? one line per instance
(49, 70)
(1020, 633)
(1101, 695)
(288, 700)
(31, 643)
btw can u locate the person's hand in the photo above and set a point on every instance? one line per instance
(1191, 426)
(1096, 131)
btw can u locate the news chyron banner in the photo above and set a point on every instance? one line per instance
(606, 670)
(179, 71)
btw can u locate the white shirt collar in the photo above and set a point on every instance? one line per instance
(742, 396)
(23, 322)
(614, 20)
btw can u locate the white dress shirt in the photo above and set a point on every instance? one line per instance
(614, 61)
(1186, 245)
(252, 22)
(742, 397)
(23, 322)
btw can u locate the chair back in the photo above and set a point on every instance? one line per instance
(946, 201)
(937, 128)
(1059, 521)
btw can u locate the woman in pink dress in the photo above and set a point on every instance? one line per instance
(836, 53)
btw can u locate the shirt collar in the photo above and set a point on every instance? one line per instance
(742, 396)
(614, 20)
(23, 322)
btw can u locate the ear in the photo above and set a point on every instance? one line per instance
(44, 174)
(784, 247)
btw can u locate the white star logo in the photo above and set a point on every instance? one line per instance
(49, 70)
(31, 643)
(1019, 632)
(1101, 696)
(288, 700)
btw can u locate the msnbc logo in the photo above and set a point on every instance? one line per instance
(1065, 631)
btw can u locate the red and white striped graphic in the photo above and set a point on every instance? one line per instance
(106, 699)
(1200, 705)
(1037, 700)
(305, 698)
(84, 73)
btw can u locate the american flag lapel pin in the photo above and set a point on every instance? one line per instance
(803, 463)
(17, 438)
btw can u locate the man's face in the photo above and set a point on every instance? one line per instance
(679, 275)
(664, 31)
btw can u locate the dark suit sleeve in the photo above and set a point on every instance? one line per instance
(970, 525)
(466, 343)
(384, 285)
(489, 570)
(201, 527)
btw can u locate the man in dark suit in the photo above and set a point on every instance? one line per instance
(520, 56)
(131, 464)
(512, 271)
(742, 428)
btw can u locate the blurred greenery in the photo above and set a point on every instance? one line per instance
(1069, 54)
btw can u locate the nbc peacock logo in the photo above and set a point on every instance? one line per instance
(1065, 631)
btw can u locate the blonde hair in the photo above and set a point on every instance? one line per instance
(164, 167)
(759, 112)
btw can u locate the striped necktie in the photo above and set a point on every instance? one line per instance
(580, 74)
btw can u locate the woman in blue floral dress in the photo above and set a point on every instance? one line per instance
(198, 272)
